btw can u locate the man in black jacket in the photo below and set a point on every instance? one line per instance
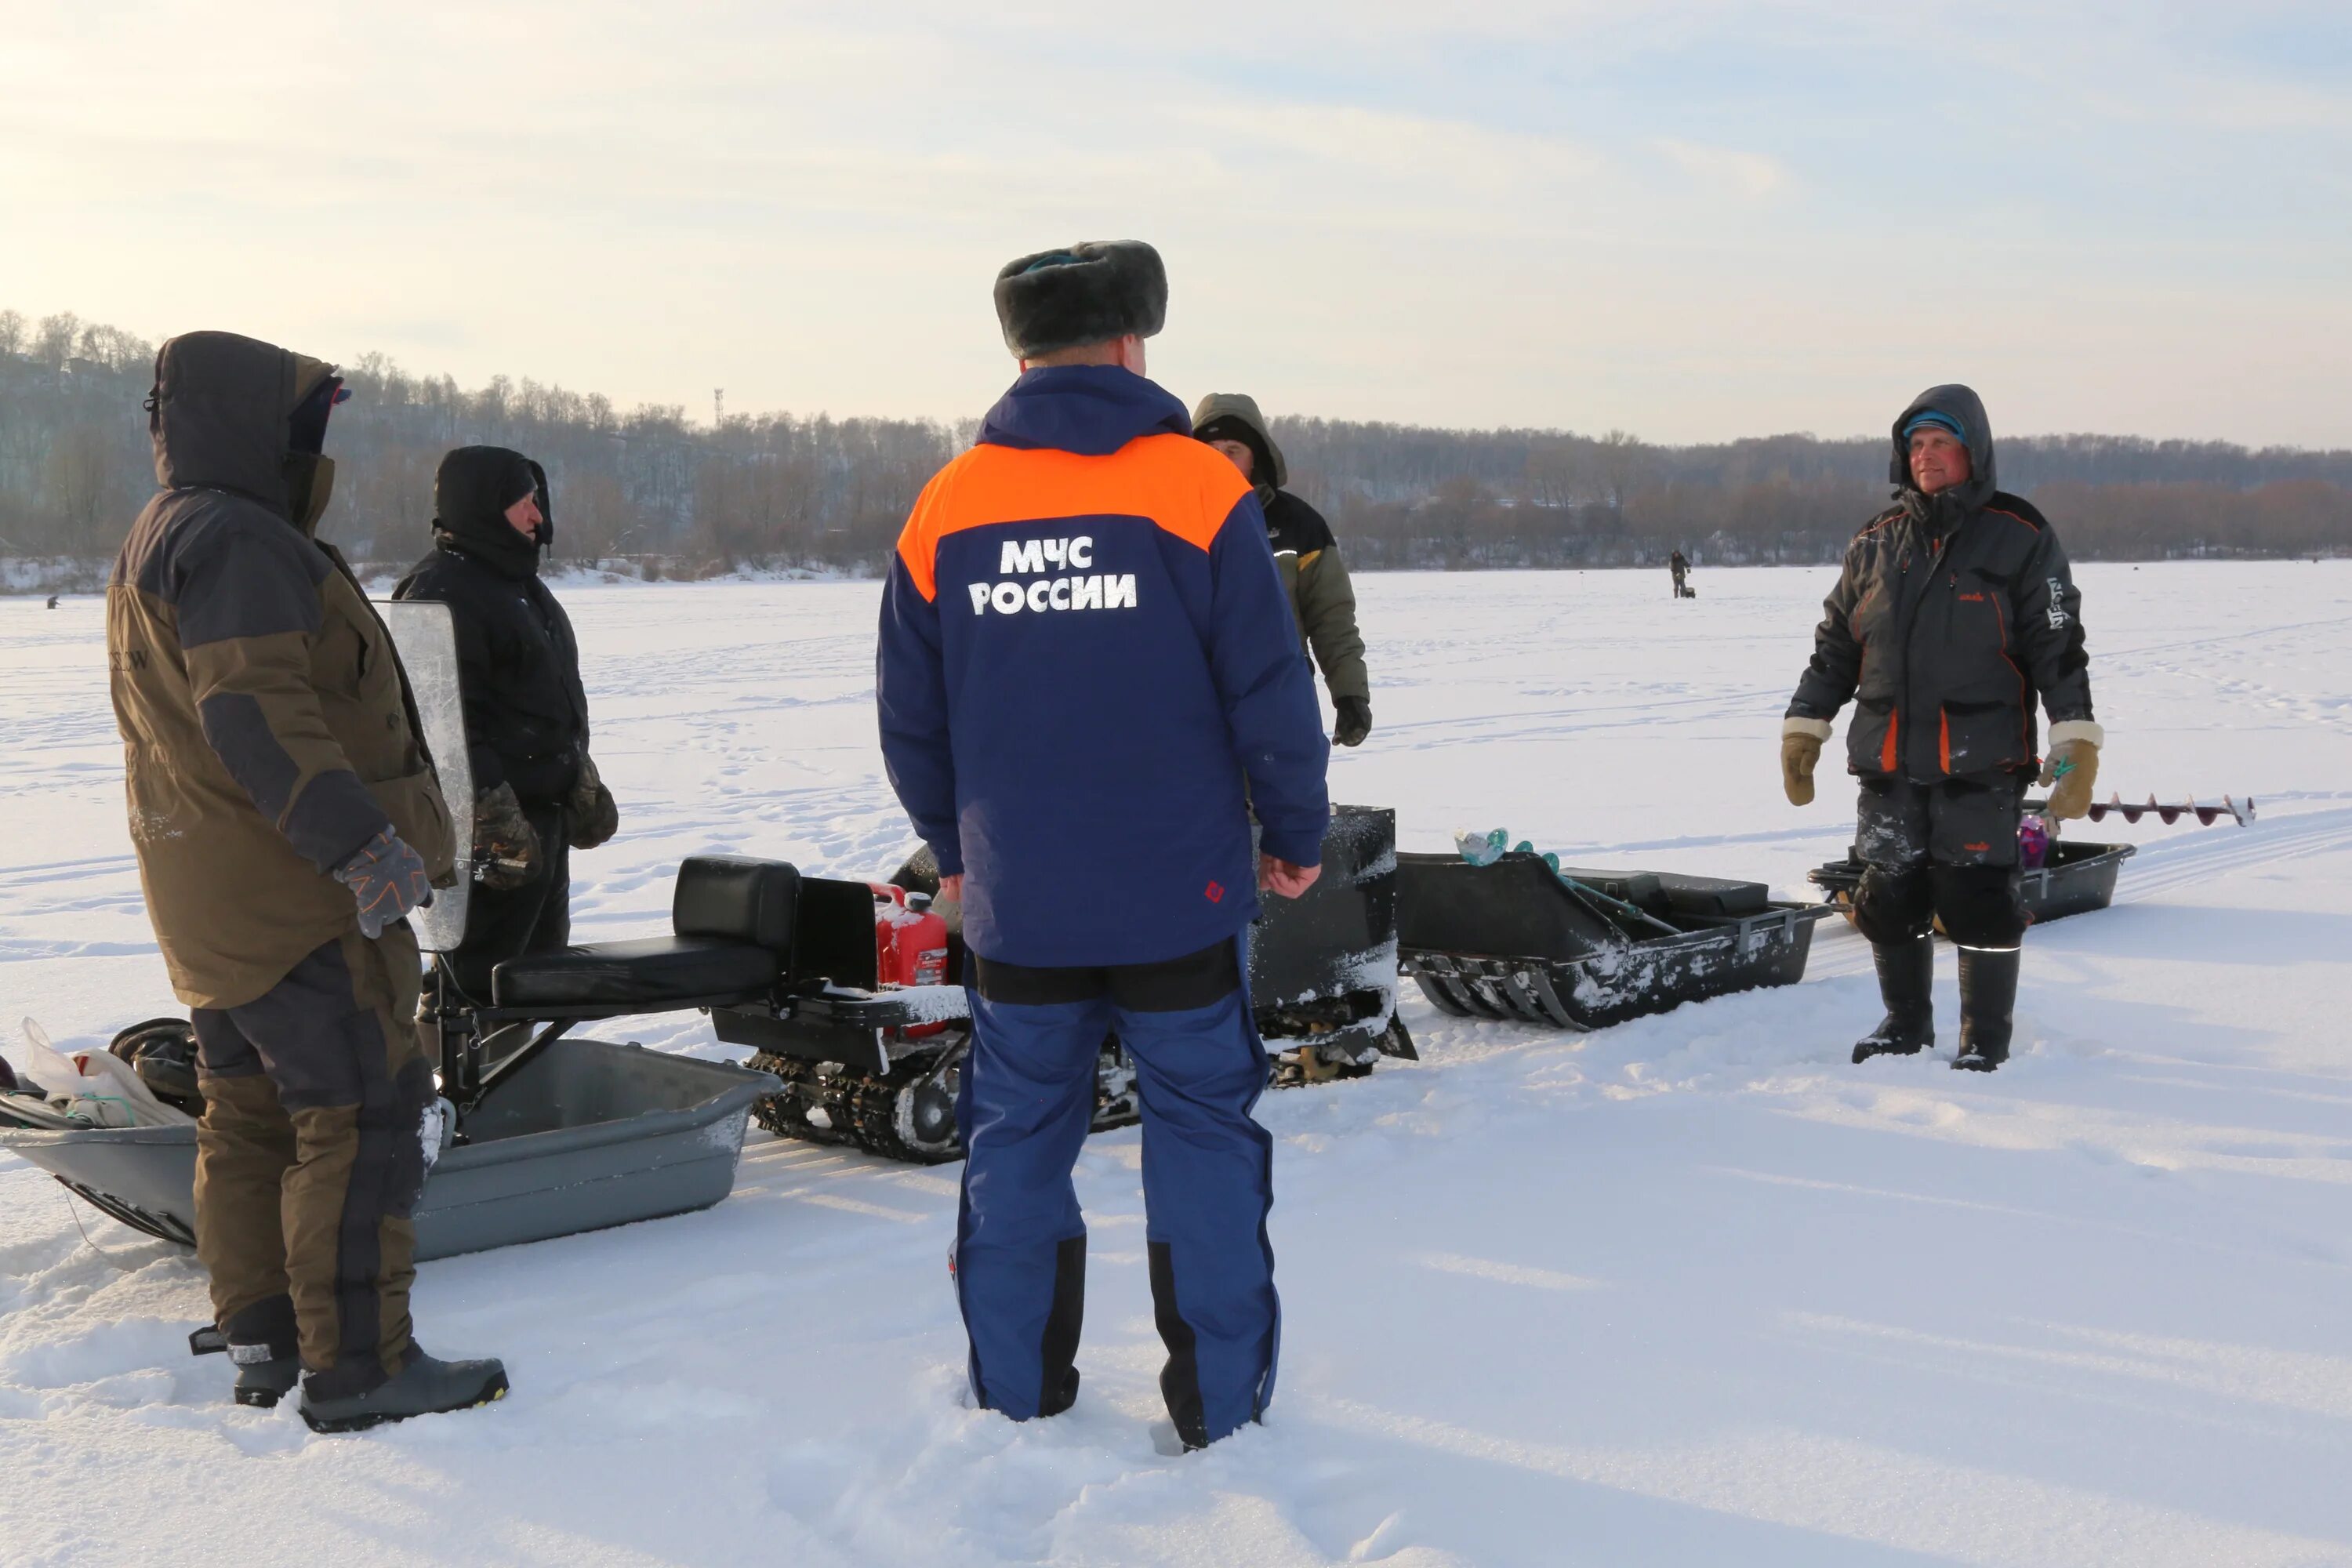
(536, 792)
(1956, 610)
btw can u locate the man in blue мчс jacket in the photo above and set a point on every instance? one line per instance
(1087, 678)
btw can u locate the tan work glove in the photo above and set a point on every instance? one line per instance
(2072, 767)
(1800, 752)
(593, 814)
(506, 846)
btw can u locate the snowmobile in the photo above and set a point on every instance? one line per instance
(874, 1058)
(1497, 933)
(550, 1136)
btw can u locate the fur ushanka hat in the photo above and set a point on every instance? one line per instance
(1087, 293)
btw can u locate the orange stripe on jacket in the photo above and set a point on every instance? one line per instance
(1179, 484)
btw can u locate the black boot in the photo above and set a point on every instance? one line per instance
(1987, 1006)
(262, 1343)
(427, 1386)
(1906, 974)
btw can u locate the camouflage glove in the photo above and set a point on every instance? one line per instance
(388, 878)
(506, 847)
(594, 813)
(2072, 767)
(1800, 753)
(1355, 720)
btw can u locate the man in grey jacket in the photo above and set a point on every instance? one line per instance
(1955, 612)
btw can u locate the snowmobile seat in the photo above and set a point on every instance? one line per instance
(733, 919)
(634, 976)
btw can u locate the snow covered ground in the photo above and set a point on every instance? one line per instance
(1692, 1291)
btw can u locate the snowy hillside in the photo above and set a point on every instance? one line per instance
(1692, 1290)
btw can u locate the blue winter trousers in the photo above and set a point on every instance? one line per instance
(1026, 1097)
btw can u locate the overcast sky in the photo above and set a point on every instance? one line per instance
(1689, 220)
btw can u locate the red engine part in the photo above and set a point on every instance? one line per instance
(910, 945)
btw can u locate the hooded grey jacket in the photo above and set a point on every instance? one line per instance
(1953, 615)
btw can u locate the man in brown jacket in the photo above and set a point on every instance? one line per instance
(286, 819)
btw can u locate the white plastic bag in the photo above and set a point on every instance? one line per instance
(95, 1084)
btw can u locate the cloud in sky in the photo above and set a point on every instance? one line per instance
(1691, 219)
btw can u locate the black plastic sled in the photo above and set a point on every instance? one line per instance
(2077, 879)
(879, 1068)
(1582, 949)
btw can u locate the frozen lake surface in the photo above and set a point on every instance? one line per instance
(1692, 1290)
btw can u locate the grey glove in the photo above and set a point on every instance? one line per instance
(594, 813)
(506, 847)
(388, 880)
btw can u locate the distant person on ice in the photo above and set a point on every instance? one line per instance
(1085, 655)
(1679, 569)
(1955, 612)
(286, 820)
(537, 794)
(1321, 597)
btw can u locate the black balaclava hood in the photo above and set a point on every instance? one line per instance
(471, 493)
(1965, 408)
(234, 413)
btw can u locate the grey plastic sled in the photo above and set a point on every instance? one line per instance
(1513, 939)
(554, 1136)
(584, 1136)
(2077, 879)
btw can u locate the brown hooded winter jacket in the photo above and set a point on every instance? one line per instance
(267, 732)
(1321, 596)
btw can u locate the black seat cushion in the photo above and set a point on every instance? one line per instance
(636, 975)
(738, 898)
(1711, 895)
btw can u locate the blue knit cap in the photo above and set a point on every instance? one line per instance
(1931, 416)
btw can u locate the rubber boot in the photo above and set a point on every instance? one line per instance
(1987, 1006)
(426, 1387)
(263, 1343)
(1906, 975)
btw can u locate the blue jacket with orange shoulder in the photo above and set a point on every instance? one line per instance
(1085, 656)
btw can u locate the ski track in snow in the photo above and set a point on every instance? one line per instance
(1689, 1291)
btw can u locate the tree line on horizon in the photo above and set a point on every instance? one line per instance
(649, 491)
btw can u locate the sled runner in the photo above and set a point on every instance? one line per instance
(1579, 949)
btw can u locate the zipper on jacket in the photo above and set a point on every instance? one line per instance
(1910, 625)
